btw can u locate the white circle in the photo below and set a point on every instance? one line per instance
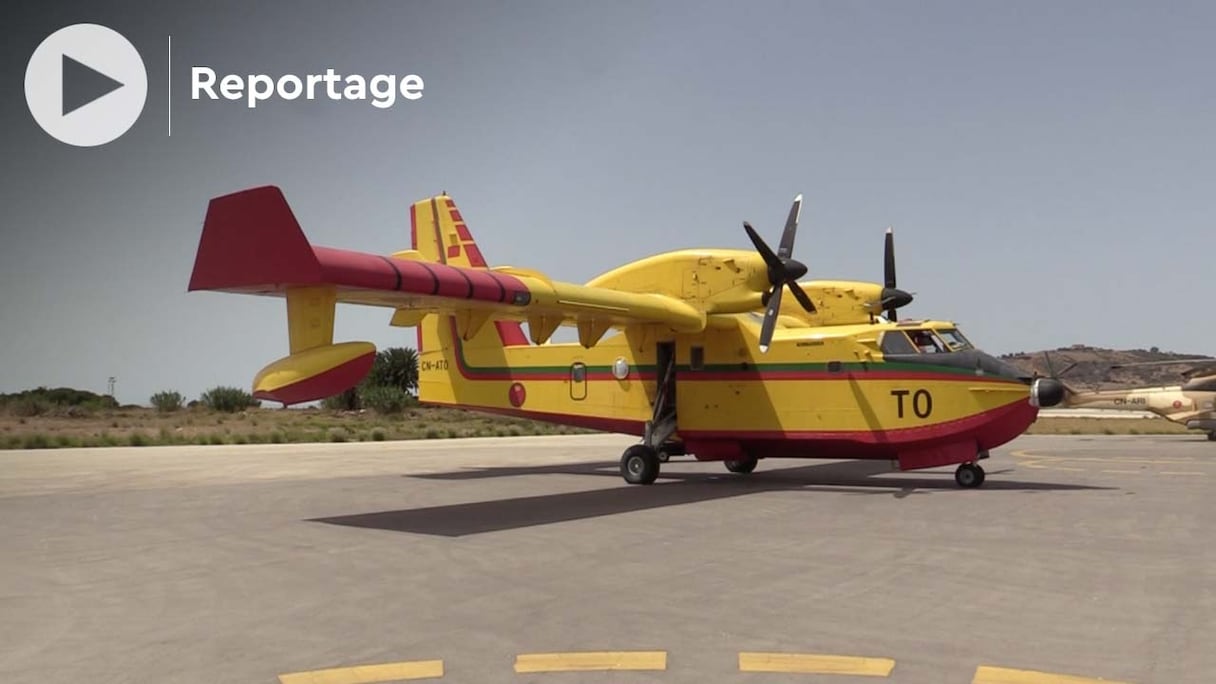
(99, 49)
(620, 368)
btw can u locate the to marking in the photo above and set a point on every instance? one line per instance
(1182, 472)
(809, 663)
(591, 660)
(368, 674)
(985, 674)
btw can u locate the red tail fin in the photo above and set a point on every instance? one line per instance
(252, 242)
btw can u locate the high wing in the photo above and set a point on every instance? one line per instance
(251, 243)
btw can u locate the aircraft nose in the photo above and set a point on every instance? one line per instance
(1046, 392)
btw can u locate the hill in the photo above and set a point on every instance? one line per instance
(1093, 364)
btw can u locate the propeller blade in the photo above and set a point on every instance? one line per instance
(888, 261)
(786, 248)
(800, 295)
(770, 320)
(888, 270)
(772, 260)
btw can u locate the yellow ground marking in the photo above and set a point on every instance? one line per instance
(1035, 458)
(808, 663)
(591, 660)
(1002, 675)
(1030, 459)
(368, 674)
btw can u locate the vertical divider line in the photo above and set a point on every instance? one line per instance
(169, 71)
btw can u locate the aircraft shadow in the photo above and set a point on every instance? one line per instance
(673, 489)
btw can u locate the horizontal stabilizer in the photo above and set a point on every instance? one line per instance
(253, 244)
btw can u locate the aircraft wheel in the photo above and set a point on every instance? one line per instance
(742, 466)
(969, 475)
(640, 464)
(664, 456)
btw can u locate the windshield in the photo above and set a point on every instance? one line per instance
(924, 341)
(954, 339)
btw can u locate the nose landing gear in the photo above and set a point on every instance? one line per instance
(969, 475)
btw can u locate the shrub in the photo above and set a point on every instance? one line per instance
(228, 399)
(27, 407)
(384, 399)
(377, 435)
(394, 367)
(37, 441)
(138, 439)
(167, 402)
(346, 401)
(60, 396)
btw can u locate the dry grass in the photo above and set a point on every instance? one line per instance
(146, 427)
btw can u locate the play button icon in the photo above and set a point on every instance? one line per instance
(86, 85)
(83, 84)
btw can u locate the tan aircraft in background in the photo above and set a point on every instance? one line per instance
(1191, 403)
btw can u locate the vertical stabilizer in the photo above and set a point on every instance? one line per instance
(438, 233)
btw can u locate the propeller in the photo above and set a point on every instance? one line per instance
(1051, 373)
(892, 296)
(1049, 390)
(783, 271)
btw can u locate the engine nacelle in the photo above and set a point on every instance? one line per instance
(315, 373)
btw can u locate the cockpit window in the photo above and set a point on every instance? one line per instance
(896, 342)
(954, 339)
(926, 342)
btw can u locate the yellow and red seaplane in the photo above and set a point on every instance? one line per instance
(694, 351)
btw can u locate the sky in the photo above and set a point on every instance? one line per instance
(1047, 167)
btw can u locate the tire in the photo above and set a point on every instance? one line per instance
(969, 476)
(742, 466)
(640, 464)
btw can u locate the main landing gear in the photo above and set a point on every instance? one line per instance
(640, 462)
